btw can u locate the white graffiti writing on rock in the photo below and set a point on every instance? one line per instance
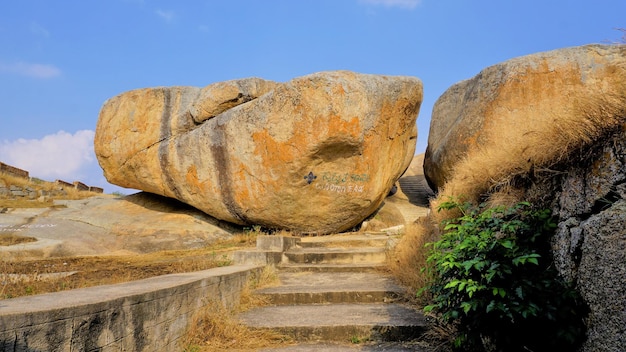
(349, 188)
(337, 178)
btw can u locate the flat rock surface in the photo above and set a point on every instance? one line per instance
(138, 223)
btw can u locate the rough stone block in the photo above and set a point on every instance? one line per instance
(276, 243)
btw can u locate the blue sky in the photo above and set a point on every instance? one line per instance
(60, 60)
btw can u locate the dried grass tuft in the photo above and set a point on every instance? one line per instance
(408, 263)
(267, 278)
(215, 328)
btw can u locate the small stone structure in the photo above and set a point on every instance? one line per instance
(12, 170)
(96, 189)
(64, 183)
(81, 186)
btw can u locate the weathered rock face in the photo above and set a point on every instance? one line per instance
(520, 105)
(316, 154)
(590, 243)
(549, 128)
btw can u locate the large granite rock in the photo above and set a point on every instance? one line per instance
(511, 112)
(549, 128)
(590, 243)
(317, 154)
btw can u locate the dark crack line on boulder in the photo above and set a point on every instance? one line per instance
(166, 134)
(224, 174)
(122, 165)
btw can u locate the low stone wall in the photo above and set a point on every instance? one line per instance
(145, 315)
(14, 192)
(30, 193)
(12, 170)
(96, 189)
(81, 186)
(64, 183)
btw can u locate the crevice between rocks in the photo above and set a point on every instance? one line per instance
(604, 202)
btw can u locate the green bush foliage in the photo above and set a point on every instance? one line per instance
(493, 279)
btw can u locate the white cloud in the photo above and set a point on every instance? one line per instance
(57, 156)
(405, 4)
(31, 70)
(168, 16)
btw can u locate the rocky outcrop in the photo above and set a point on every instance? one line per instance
(590, 243)
(549, 128)
(523, 112)
(108, 225)
(316, 154)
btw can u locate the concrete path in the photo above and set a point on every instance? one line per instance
(333, 303)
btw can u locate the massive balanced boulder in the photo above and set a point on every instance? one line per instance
(317, 154)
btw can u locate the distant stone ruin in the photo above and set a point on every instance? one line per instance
(12, 170)
(13, 191)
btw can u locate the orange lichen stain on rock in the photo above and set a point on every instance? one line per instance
(241, 194)
(192, 178)
(334, 125)
(526, 99)
(352, 127)
(338, 90)
(275, 153)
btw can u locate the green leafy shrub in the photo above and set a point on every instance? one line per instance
(493, 279)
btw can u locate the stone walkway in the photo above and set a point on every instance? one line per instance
(335, 296)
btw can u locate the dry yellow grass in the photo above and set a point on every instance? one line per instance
(531, 150)
(408, 261)
(215, 328)
(267, 278)
(12, 239)
(103, 270)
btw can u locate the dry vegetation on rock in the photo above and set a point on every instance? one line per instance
(499, 170)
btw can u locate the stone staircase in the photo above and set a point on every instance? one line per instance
(334, 294)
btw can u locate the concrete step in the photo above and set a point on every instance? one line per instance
(339, 322)
(339, 287)
(336, 255)
(348, 240)
(355, 346)
(332, 268)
